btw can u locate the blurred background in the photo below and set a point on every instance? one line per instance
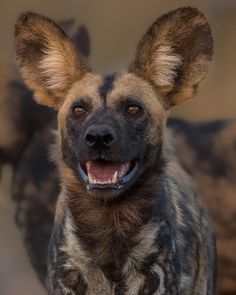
(114, 27)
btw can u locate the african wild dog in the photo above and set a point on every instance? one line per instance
(128, 218)
(208, 152)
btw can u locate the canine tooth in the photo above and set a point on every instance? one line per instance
(114, 178)
(90, 178)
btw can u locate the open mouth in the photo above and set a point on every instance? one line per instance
(104, 174)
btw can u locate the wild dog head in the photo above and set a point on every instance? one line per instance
(112, 127)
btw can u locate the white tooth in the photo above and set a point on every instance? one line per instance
(114, 178)
(95, 181)
(90, 178)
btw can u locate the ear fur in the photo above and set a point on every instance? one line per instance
(47, 59)
(174, 54)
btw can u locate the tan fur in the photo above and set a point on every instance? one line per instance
(128, 85)
(164, 65)
(145, 239)
(86, 88)
(60, 208)
(125, 86)
(51, 64)
(93, 275)
(174, 56)
(79, 259)
(78, 256)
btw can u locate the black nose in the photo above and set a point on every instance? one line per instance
(99, 136)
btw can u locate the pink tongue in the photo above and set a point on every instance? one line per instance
(101, 170)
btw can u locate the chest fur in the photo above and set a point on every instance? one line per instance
(136, 272)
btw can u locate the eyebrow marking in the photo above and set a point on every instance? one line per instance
(106, 86)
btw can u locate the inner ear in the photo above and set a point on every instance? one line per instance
(174, 54)
(47, 58)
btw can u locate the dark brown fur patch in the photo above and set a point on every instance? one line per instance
(106, 86)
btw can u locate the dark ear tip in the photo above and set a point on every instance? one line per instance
(29, 16)
(23, 19)
(28, 20)
(26, 16)
(196, 17)
(190, 10)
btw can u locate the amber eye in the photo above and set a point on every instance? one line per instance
(133, 110)
(79, 111)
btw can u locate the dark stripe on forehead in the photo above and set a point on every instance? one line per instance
(106, 85)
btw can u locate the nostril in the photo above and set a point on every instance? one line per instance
(108, 139)
(90, 139)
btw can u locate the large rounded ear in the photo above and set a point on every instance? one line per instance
(47, 59)
(174, 54)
